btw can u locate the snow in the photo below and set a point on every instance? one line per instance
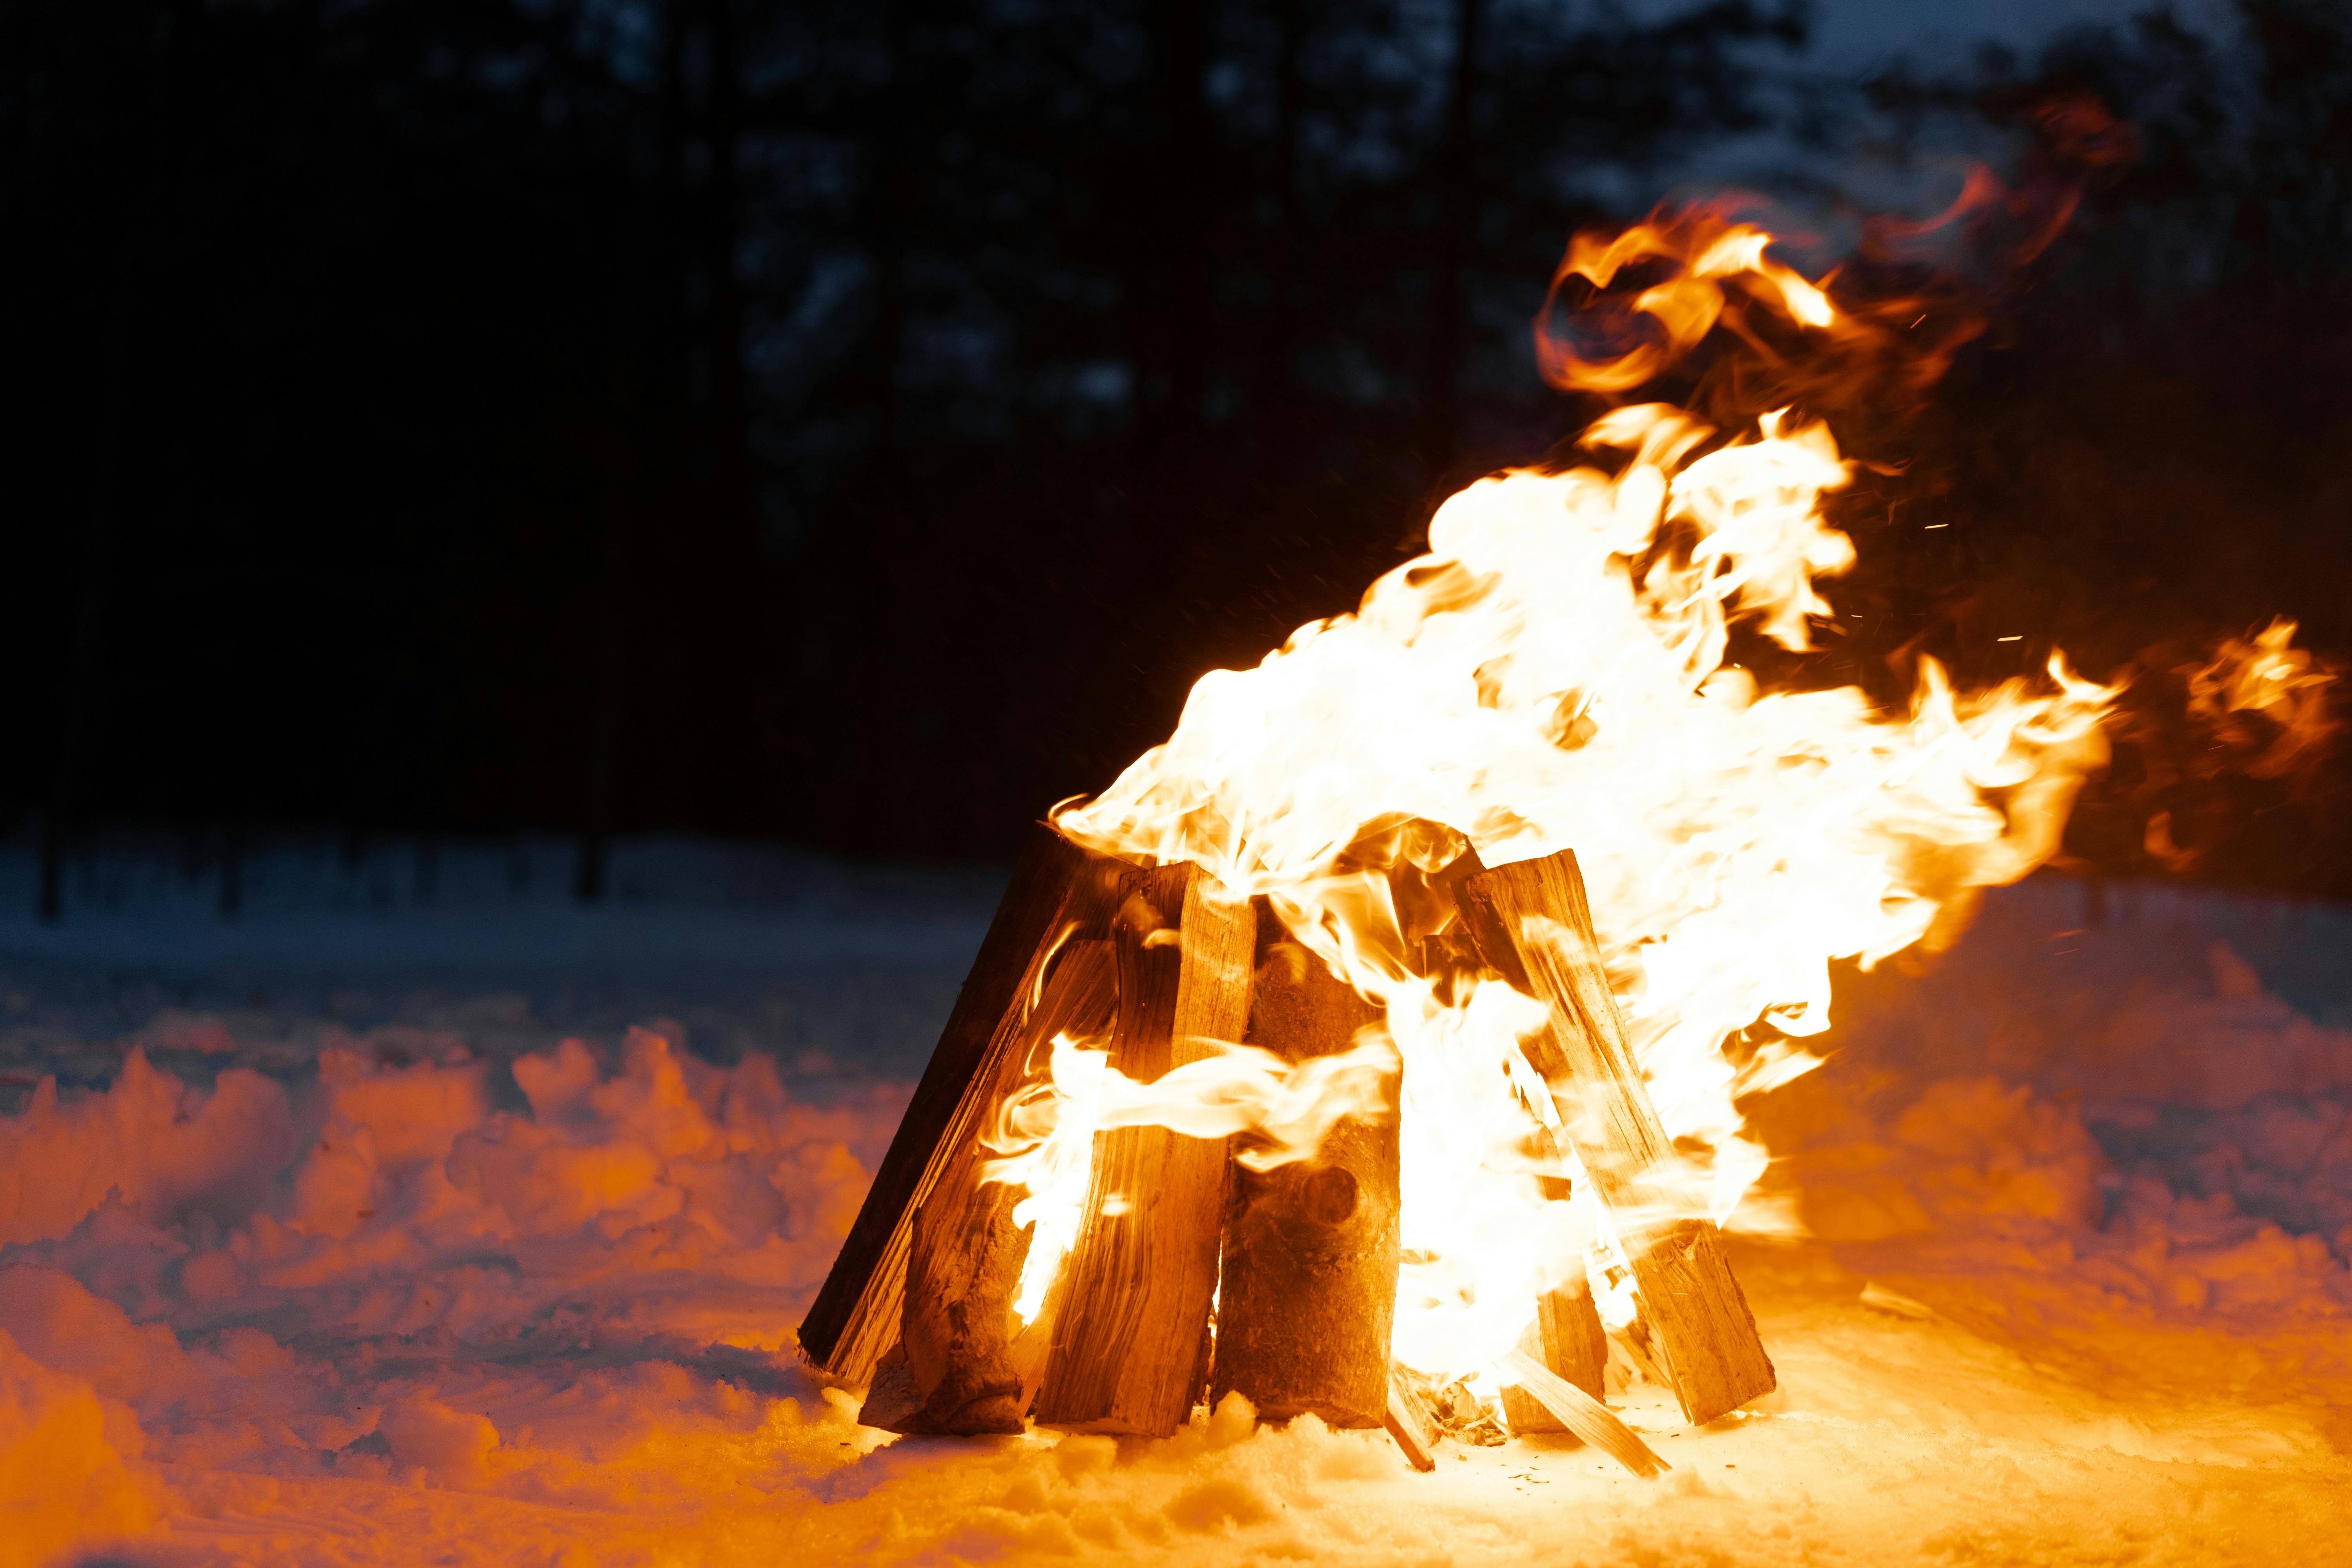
(373, 1229)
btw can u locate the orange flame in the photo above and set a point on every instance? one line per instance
(1555, 673)
(1045, 1131)
(1717, 257)
(2282, 684)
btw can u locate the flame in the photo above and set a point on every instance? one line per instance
(2282, 684)
(1719, 262)
(1556, 672)
(1044, 1130)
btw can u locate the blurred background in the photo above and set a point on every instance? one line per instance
(854, 426)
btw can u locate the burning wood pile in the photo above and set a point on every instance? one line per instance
(1373, 1047)
(1194, 1277)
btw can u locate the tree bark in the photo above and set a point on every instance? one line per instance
(1307, 1292)
(1534, 912)
(1127, 1343)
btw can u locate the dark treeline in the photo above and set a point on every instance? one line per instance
(860, 423)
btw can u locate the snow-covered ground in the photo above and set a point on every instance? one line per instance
(439, 1220)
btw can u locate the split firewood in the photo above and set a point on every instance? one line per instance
(955, 1372)
(1532, 917)
(1036, 1338)
(1307, 1288)
(1127, 1341)
(1409, 1421)
(1580, 1413)
(856, 1314)
(1568, 1340)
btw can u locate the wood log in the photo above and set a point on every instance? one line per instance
(1126, 1350)
(855, 1315)
(955, 1372)
(1567, 1340)
(1409, 1421)
(1306, 1291)
(1706, 1333)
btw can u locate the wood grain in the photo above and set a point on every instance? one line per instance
(1125, 1354)
(1408, 1419)
(1566, 1338)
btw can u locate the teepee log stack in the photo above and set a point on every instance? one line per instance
(1301, 1260)
(955, 1370)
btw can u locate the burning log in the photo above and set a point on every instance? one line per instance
(1530, 921)
(955, 1370)
(1566, 1338)
(856, 1314)
(1308, 1288)
(1126, 1353)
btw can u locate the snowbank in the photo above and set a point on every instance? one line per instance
(472, 1281)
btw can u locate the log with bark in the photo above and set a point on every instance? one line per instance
(856, 1316)
(1126, 1353)
(1307, 1288)
(955, 1370)
(1531, 917)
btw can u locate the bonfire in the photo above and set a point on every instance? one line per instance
(1407, 1067)
(1375, 1047)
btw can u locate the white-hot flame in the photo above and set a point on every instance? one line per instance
(1553, 673)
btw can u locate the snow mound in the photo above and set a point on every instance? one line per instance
(461, 1284)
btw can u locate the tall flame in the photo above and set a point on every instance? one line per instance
(1554, 673)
